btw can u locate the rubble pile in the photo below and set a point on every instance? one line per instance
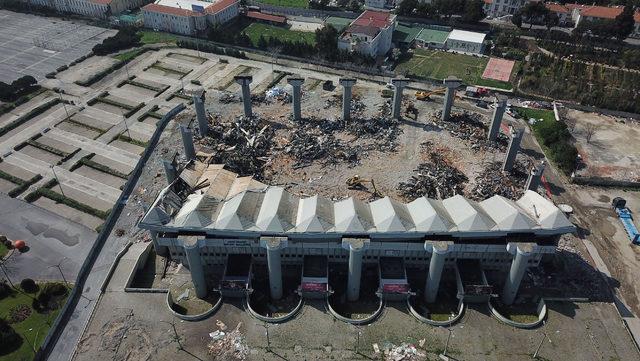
(228, 345)
(226, 98)
(403, 352)
(494, 181)
(306, 147)
(384, 131)
(469, 126)
(243, 145)
(437, 178)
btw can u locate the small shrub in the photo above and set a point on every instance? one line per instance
(10, 340)
(29, 285)
(5, 290)
(54, 289)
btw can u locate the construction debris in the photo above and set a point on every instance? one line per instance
(437, 178)
(228, 346)
(493, 181)
(469, 127)
(403, 352)
(227, 98)
(243, 145)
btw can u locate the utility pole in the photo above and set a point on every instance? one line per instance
(266, 332)
(126, 126)
(64, 105)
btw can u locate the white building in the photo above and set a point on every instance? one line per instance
(188, 17)
(100, 9)
(381, 4)
(466, 41)
(590, 13)
(369, 34)
(563, 13)
(497, 8)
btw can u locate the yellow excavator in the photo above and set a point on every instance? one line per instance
(426, 95)
(358, 183)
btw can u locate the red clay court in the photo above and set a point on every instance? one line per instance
(498, 69)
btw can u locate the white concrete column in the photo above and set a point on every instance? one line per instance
(244, 81)
(347, 84)
(198, 96)
(496, 120)
(169, 171)
(356, 247)
(187, 142)
(451, 82)
(523, 252)
(512, 151)
(438, 252)
(398, 85)
(274, 246)
(194, 261)
(296, 84)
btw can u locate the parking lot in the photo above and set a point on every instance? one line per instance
(34, 45)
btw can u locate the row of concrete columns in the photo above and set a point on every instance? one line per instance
(522, 252)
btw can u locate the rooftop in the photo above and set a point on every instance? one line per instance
(267, 17)
(209, 198)
(405, 34)
(188, 7)
(557, 8)
(378, 19)
(433, 36)
(469, 36)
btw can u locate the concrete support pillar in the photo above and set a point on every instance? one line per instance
(274, 246)
(398, 85)
(512, 151)
(347, 84)
(187, 142)
(523, 252)
(356, 247)
(438, 252)
(296, 83)
(451, 83)
(170, 171)
(534, 177)
(201, 114)
(244, 81)
(160, 250)
(498, 113)
(194, 261)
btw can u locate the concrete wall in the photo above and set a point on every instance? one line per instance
(465, 46)
(184, 25)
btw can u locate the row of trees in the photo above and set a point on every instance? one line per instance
(470, 11)
(18, 88)
(125, 38)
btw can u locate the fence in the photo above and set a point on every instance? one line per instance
(67, 310)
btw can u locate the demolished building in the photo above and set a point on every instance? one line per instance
(209, 216)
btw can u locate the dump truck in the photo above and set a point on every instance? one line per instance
(624, 214)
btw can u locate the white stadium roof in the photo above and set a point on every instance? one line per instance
(468, 36)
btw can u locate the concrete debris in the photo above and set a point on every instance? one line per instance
(228, 346)
(469, 127)
(493, 181)
(403, 352)
(277, 93)
(243, 145)
(227, 98)
(437, 178)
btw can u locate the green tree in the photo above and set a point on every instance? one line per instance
(24, 82)
(473, 11)
(624, 23)
(551, 20)
(407, 7)
(516, 19)
(533, 11)
(327, 41)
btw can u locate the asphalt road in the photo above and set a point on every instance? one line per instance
(51, 238)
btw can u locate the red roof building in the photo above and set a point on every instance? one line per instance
(266, 17)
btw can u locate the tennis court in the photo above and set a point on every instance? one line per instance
(498, 69)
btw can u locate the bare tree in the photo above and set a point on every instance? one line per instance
(589, 130)
(570, 122)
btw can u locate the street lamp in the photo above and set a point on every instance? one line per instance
(57, 180)
(59, 267)
(124, 120)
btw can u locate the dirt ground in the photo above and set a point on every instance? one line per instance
(613, 149)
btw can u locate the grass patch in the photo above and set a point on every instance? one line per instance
(554, 138)
(3, 250)
(32, 113)
(151, 113)
(86, 161)
(129, 55)
(133, 82)
(199, 59)
(304, 4)
(153, 37)
(125, 138)
(437, 65)
(33, 329)
(45, 191)
(255, 30)
(46, 148)
(158, 66)
(86, 126)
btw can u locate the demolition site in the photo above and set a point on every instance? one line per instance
(374, 210)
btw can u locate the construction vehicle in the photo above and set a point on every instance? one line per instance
(472, 91)
(620, 206)
(358, 183)
(426, 95)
